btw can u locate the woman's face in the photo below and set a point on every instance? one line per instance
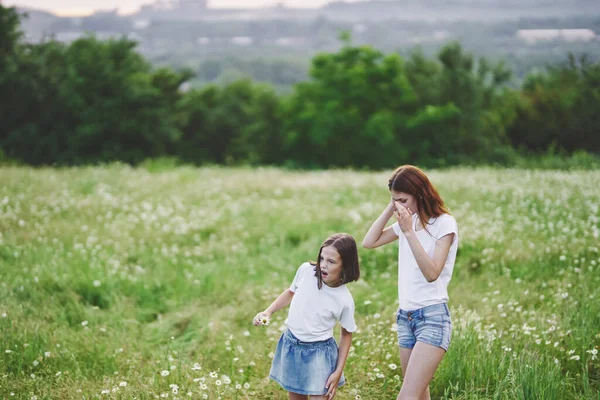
(331, 266)
(406, 200)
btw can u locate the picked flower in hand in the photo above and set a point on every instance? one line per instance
(264, 320)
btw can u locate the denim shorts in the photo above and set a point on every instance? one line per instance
(304, 367)
(431, 325)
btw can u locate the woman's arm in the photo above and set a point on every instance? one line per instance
(344, 349)
(431, 267)
(282, 301)
(377, 235)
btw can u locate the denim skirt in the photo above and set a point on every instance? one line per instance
(304, 367)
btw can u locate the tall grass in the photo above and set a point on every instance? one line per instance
(120, 282)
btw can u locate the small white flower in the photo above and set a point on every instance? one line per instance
(123, 384)
(164, 373)
(393, 366)
(97, 283)
(84, 323)
(246, 385)
(47, 354)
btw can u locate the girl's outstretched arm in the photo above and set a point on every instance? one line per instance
(377, 235)
(344, 349)
(282, 301)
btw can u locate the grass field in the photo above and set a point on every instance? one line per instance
(127, 283)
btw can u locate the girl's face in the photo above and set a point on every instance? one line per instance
(406, 200)
(331, 266)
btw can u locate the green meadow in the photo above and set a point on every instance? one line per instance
(141, 283)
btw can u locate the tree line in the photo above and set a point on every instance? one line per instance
(96, 101)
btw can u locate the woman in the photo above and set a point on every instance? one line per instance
(428, 240)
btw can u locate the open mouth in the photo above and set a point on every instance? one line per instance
(324, 274)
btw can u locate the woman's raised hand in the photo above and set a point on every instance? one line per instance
(404, 217)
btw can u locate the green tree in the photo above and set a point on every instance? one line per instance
(237, 123)
(559, 109)
(353, 112)
(91, 101)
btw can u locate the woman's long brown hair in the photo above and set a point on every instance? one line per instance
(411, 180)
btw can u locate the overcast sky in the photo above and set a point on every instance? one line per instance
(82, 7)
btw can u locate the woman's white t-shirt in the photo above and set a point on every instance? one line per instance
(313, 312)
(414, 291)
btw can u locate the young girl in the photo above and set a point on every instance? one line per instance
(428, 240)
(307, 361)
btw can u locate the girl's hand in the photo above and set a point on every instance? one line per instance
(332, 384)
(262, 318)
(404, 216)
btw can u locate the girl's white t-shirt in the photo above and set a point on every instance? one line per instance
(313, 313)
(414, 291)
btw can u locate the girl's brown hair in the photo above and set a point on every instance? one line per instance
(345, 245)
(411, 180)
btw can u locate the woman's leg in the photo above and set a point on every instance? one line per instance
(404, 358)
(423, 362)
(296, 396)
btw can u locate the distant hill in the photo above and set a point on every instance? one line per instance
(36, 22)
(460, 9)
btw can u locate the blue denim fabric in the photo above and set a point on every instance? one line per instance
(431, 325)
(303, 367)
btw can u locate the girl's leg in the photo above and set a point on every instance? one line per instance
(296, 396)
(423, 362)
(404, 358)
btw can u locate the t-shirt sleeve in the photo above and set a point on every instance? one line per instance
(448, 225)
(297, 278)
(396, 228)
(347, 318)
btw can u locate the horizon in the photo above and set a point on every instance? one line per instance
(88, 7)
